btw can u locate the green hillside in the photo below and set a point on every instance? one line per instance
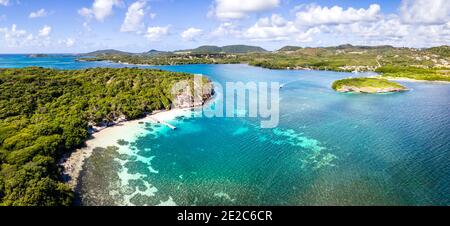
(107, 52)
(45, 113)
(230, 49)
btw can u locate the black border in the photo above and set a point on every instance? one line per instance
(280, 215)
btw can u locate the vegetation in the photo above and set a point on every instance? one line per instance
(352, 58)
(231, 49)
(45, 113)
(440, 50)
(107, 52)
(368, 85)
(289, 48)
(318, 59)
(168, 59)
(429, 74)
(339, 58)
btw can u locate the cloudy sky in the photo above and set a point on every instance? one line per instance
(68, 26)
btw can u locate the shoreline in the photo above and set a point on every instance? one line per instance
(404, 79)
(400, 79)
(73, 162)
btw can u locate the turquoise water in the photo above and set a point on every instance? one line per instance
(58, 61)
(329, 148)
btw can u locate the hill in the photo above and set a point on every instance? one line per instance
(350, 47)
(289, 49)
(107, 52)
(155, 52)
(242, 49)
(435, 61)
(230, 49)
(204, 49)
(440, 50)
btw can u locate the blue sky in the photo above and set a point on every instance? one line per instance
(68, 26)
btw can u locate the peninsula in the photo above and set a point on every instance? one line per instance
(48, 113)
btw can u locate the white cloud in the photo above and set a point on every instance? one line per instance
(277, 28)
(391, 30)
(435, 34)
(13, 37)
(101, 9)
(307, 36)
(317, 15)
(337, 25)
(384, 29)
(134, 18)
(86, 26)
(39, 13)
(236, 9)
(191, 34)
(45, 31)
(85, 12)
(271, 29)
(16, 39)
(69, 42)
(226, 29)
(4, 2)
(156, 33)
(425, 11)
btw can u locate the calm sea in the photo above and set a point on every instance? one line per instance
(329, 148)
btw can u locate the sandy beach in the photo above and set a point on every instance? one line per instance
(109, 136)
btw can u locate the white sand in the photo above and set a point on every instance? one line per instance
(128, 131)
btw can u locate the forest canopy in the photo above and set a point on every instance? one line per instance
(45, 113)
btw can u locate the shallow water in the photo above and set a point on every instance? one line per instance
(329, 149)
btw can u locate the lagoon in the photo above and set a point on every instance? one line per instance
(329, 148)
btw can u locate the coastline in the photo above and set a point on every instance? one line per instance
(399, 79)
(103, 137)
(109, 136)
(403, 79)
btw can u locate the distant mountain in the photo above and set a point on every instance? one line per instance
(345, 46)
(242, 49)
(205, 49)
(107, 52)
(155, 52)
(289, 49)
(230, 49)
(349, 47)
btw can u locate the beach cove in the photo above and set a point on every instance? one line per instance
(235, 162)
(109, 137)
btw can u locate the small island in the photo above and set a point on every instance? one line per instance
(367, 85)
(39, 55)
